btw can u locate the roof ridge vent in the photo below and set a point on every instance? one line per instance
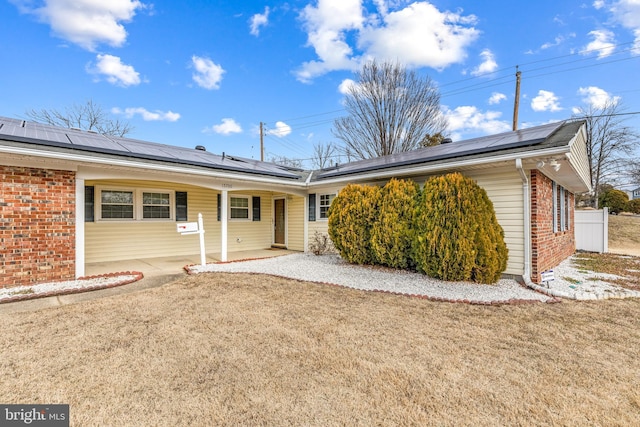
(201, 148)
(75, 128)
(23, 124)
(447, 141)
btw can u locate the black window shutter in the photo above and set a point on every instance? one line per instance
(255, 203)
(219, 201)
(89, 194)
(312, 207)
(181, 206)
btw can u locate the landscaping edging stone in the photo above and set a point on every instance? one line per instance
(132, 276)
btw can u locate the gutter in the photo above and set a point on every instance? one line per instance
(527, 225)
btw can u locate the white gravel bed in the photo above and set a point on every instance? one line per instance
(574, 283)
(60, 287)
(332, 269)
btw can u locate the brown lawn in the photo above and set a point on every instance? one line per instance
(225, 349)
(624, 234)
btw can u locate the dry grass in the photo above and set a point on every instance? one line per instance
(226, 349)
(627, 267)
(624, 234)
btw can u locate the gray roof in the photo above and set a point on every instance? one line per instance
(86, 141)
(549, 135)
(30, 133)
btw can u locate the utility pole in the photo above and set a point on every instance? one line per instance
(261, 143)
(516, 102)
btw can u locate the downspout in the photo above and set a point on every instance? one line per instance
(527, 225)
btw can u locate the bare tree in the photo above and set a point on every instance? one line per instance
(390, 110)
(609, 144)
(286, 161)
(87, 116)
(322, 154)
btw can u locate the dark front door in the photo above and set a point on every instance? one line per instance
(279, 222)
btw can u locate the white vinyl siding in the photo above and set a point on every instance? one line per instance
(295, 223)
(504, 188)
(121, 240)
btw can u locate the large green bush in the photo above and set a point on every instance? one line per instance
(351, 216)
(392, 234)
(457, 234)
(615, 200)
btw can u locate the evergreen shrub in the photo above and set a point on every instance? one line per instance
(633, 206)
(457, 234)
(392, 234)
(615, 200)
(351, 215)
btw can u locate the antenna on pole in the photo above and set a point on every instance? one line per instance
(516, 101)
(261, 143)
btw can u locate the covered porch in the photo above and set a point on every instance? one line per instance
(174, 265)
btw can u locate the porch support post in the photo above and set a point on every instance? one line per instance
(223, 222)
(305, 227)
(79, 227)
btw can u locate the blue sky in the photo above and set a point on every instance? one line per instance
(208, 72)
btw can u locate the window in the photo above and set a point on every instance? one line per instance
(136, 204)
(239, 207)
(561, 208)
(325, 203)
(156, 206)
(116, 204)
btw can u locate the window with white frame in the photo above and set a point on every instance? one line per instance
(239, 207)
(135, 204)
(325, 203)
(116, 204)
(156, 205)
(561, 208)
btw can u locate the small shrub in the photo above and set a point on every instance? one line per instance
(350, 217)
(633, 206)
(321, 244)
(392, 233)
(457, 234)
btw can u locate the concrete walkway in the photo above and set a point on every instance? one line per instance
(156, 271)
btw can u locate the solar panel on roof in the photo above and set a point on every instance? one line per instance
(482, 144)
(46, 135)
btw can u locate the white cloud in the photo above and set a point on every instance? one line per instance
(259, 20)
(489, 64)
(115, 71)
(86, 23)
(208, 74)
(227, 127)
(148, 116)
(596, 97)
(417, 35)
(627, 13)
(282, 129)
(469, 120)
(496, 98)
(345, 86)
(545, 101)
(603, 44)
(598, 4)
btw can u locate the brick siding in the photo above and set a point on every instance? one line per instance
(37, 226)
(548, 249)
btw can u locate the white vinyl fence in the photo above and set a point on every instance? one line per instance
(592, 230)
